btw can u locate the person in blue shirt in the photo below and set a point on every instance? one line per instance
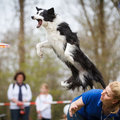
(97, 104)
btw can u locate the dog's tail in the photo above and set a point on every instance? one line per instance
(84, 78)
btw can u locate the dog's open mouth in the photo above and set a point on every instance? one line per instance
(39, 23)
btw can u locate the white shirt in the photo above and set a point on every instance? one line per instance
(12, 93)
(45, 109)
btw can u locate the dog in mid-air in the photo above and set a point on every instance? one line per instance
(65, 44)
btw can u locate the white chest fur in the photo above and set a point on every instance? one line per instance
(57, 42)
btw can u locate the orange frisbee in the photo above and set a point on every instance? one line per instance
(4, 45)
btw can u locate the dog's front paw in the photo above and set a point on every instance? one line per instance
(37, 46)
(39, 52)
(64, 84)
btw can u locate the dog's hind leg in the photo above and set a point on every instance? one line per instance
(74, 81)
(68, 53)
(41, 45)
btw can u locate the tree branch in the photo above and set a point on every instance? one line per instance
(88, 21)
(115, 3)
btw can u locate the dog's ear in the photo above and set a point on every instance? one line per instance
(51, 11)
(37, 8)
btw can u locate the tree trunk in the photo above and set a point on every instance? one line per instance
(21, 48)
(102, 37)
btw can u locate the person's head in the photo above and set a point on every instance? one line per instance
(44, 89)
(111, 94)
(19, 77)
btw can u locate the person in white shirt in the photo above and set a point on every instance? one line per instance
(19, 93)
(42, 107)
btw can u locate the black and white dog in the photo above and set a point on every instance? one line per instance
(65, 44)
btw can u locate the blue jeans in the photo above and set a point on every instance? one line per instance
(76, 116)
(15, 114)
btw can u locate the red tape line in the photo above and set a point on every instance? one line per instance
(33, 103)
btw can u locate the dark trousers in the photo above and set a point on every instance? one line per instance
(15, 114)
(76, 116)
(45, 119)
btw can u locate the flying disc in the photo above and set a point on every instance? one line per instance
(4, 45)
(65, 109)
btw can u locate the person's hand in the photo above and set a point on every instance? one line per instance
(40, 116)
(22, 107)
(25, 101)
(73, 109)
(19, 103)
(38, 112)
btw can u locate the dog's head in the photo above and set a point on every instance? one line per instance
(44, 16)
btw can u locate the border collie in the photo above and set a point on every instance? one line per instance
(65, 44)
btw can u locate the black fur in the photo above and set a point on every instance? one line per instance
(92, 72)
(38, 9)
(48, 15)
(70, 36)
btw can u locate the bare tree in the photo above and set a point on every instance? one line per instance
(21, 48)
(103, 38)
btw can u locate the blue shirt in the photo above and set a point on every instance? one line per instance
(93, 106)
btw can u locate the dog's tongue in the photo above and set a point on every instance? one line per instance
(39, 23)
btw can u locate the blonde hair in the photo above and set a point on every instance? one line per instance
(45, 85)
(115, 88)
